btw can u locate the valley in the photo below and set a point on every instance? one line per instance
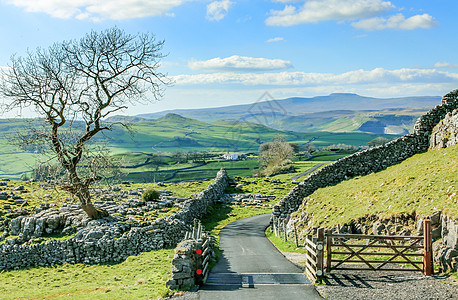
(156, 141)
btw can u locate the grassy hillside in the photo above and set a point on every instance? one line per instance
(423, 184)
(390, 121)
(340, 112)
(173, 132)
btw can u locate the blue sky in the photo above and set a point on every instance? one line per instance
(232, 51)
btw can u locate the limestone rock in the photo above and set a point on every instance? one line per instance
(445, 134)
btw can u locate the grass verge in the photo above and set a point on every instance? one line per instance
(277, 241)
(139, 277)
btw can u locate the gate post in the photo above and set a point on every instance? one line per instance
(427, 244)
(328, 251)
(319, 254)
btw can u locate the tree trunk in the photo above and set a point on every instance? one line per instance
(94, 212)
(81, 191)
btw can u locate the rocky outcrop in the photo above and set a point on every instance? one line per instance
(445, 134)
(257, 200)
(445, 231)
(47, 222)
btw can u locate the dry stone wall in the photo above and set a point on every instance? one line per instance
(95, 244)
(370, 160)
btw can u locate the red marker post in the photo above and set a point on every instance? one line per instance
(199, 271)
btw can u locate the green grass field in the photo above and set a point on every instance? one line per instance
(139, 277)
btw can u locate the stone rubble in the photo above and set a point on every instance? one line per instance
(247, 199)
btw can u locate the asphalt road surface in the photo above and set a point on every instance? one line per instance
(250, 267)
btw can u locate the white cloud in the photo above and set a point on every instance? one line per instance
(322, 10)
(445, 65)
(239, 64)
(217, 10)
(396, 22)
(275, 39)
(357, 77)
(98, 10)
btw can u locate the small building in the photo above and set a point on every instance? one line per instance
(231, 156)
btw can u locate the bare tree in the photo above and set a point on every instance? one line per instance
(74, 85)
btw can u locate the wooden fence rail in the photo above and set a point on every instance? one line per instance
(196, 231)
(369, 252)
(356, 253)
(206, 255)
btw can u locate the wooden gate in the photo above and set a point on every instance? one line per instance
(375, 252)
(370, 252)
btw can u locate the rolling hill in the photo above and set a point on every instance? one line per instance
(172, 132)
(335, 113)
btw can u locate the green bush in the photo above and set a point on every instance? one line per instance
(151, 195)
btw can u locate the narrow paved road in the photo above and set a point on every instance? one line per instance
(250, 267)
(308, 171)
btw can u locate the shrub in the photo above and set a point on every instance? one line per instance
(151, 195)
(285, 166)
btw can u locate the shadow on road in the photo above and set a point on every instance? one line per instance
(367, 280)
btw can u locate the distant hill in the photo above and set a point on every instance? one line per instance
(335, 113)
(172, 131)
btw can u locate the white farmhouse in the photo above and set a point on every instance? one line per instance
(231, 156)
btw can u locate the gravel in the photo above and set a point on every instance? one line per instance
(369, 285)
